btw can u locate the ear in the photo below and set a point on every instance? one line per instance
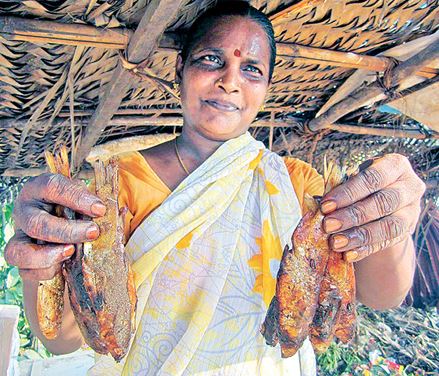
(179, 65)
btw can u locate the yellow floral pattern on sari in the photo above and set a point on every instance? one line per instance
(270, 254)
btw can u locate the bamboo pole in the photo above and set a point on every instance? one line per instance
(127, 111)
(175, 121)
(403, 93)
(102, 152)
(38, 31)
(157, 16)
(133, 121)
(352, 60)
(381, 131)
(321, 55)
(284, 143)
(376, 92)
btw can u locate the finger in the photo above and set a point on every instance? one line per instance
(360, 253)
(394, 226)
(380, 174)
(24, 254)
(55, 188)
(377, 205)
(39, 224)
(39, 274)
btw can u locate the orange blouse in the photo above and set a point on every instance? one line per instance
(142, 191)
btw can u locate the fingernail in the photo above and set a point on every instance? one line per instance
(328, 206)
(331, 224)
(68, 250)
(92, 232)
(339, 241)
(98, 209)
(351, 256)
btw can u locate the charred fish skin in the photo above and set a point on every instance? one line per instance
(315, 290)
(336, 307)
(335, 314)
(298, 286)
(299, 282)
(101, 285)
(346, 324)
(328, 310)
(50, 305)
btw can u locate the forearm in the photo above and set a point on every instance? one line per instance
(384, 278)
(69, 337)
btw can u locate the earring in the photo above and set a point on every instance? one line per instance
(262, 107)
(176, 93)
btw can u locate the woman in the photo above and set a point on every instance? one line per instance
(209, 215)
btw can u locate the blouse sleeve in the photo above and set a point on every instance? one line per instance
(125, 199)
(305, 179)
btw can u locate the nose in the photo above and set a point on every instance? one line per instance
(229, 80)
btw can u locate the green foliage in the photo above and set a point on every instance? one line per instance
(11, 291)
(338, 359)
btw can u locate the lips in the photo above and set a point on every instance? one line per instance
(221, 105)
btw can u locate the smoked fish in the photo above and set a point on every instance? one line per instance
(315, 290)
(98, 276)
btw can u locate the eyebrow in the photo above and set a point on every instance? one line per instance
(213, 49)
(254, 61)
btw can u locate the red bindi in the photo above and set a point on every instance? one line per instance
(237, 53)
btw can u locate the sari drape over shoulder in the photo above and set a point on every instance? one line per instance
(205, 264)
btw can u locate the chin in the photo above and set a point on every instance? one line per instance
(222, 128)
(219, 133)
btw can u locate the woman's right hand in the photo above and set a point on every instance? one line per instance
(34, 221)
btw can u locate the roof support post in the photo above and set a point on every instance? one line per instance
(145, 39)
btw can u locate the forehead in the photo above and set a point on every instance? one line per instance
(236, 32)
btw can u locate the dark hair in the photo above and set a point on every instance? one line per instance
(225, 9)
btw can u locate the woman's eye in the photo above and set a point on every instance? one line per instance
(211, 58)
(253, 69)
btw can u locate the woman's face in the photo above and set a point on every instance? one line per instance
(224, 80)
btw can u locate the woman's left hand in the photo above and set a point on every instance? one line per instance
(374, 210)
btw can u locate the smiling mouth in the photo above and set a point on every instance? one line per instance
(221, 106)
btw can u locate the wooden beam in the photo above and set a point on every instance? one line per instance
(380, 131)
(351, 60)
(175, 121)
(145, 39)
(141, 121)
(38, 31)
(375, 92)
(133, 121)
(126, 111)
(43, 32)
(283, 144)
(127, 144)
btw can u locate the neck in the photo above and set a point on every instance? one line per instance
(195, 148)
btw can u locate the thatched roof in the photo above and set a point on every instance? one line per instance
(61, 78)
